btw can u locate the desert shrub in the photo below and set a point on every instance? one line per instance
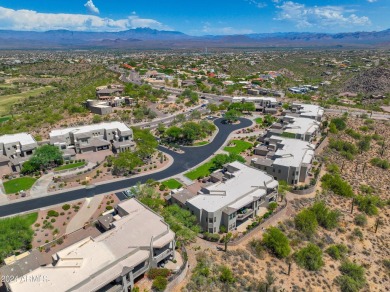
(256, 246)
(325, 217)
(352, 277)
(272, 206)
(157, 272)
(360, 220)
(382, 163)
(226, 275)
(52, 213)
(369, 204)
(346, 149)
(306, 222)
(337, 185)
(160, 283)
(337, 251)
(109, 207)
(277, 242)
(357, 233)
(310, 257)
(65, 207)
(339, 123)
(211, 236)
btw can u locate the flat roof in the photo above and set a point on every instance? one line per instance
(310, 110)
(294, 152)
(22, 138)
(88, 128)
(254, 98)
(300, 125)
(246, 182)
(93, 262)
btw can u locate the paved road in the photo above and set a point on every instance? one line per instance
(182, 162)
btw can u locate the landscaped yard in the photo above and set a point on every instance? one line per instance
(172, 184)
(7, 101)
(240, 146)
(259, 121)
(18, 184)
(16, 234)
(203, 170)
(201, 143)
(70, 166)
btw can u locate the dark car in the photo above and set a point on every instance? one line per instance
(203, 97)
(221, 99)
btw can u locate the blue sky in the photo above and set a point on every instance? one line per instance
(197, 17)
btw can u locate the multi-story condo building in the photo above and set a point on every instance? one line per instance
(237, 194)
(292, 127)
(285, 159)
(263, 104)
(94, 137)
(309, 111)
(137, 240)
(16, 149)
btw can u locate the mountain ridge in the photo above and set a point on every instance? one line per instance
(147, 37)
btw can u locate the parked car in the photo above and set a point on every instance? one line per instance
(221, 99)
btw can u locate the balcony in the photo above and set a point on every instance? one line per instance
(244, 214)
(162, 255)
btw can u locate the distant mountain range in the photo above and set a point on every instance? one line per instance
(150, 38)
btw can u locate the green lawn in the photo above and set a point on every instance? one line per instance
(201, 143)
(16, 234)
(240, 146)
(203, 170)
(69, 166)
(172, 184)
(259, 121)
(6, 101)
(18, 184)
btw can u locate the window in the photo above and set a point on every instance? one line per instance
(210, 220)
(215, 219)
(279, 170)
(215, 229)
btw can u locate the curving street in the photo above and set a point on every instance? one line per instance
(182, 162)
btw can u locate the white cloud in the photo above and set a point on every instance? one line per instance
(328, 17)
(32, 20)
(227, 30)
(256, 3)
(371, 1)
(91, 8)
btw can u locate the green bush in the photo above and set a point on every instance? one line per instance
(357, 233)
(382, 163)
(310, 257)
(52, 213)
(346, 149)
(272, 206)
(339, 123)
(158, 272)
(360, 220)
(325, 217)
(160, 283)
(66, 207)
(306, 222)
(337, 185)
(211, 236)
(278, 243)
(337, 251)
(108, 207)
(226, 275)
(369, 204)
(352, 277)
